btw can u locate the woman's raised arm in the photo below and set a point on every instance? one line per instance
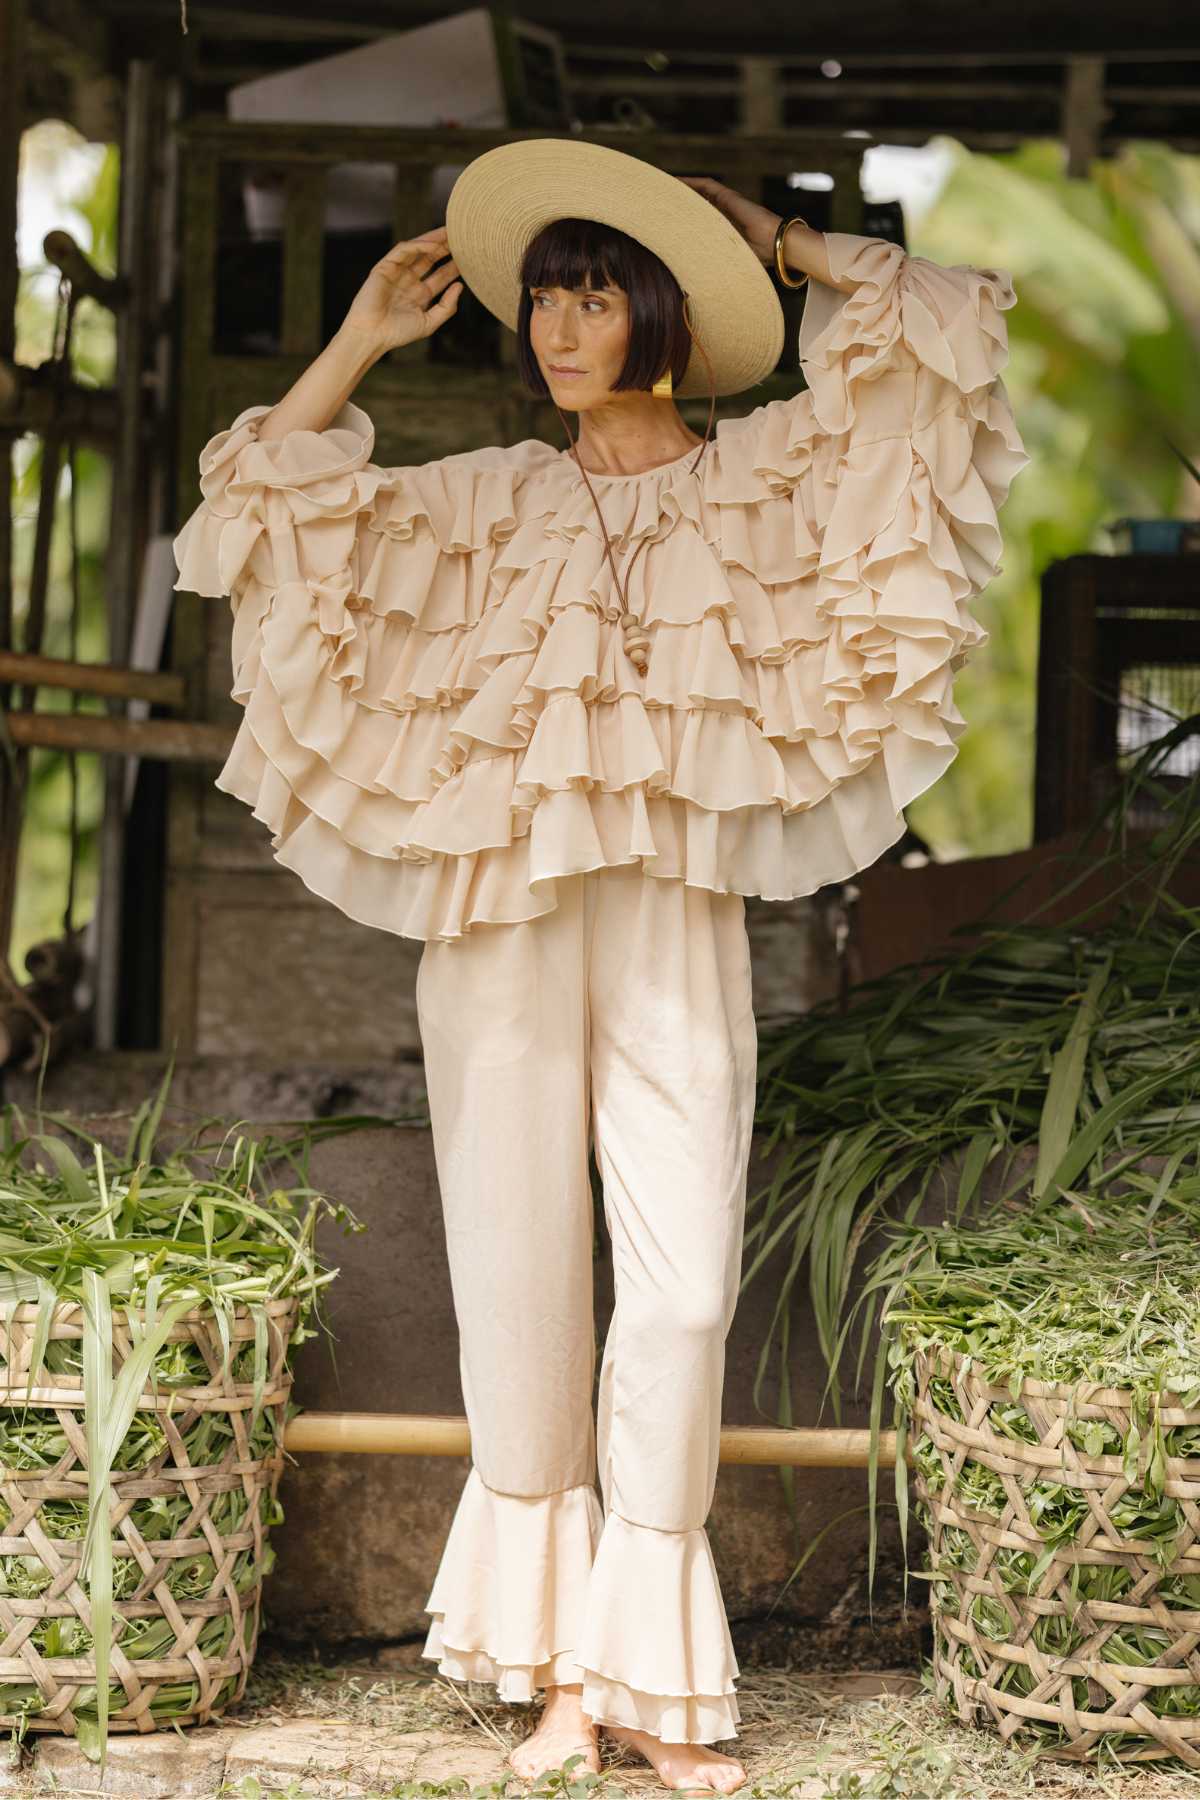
(803, 247)
(404, 298)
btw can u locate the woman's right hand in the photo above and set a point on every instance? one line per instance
(400, 301)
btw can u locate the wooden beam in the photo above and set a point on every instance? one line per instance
(286, 141)
(169, 740)
(447, 1434)
(93, 678)
(28, 402)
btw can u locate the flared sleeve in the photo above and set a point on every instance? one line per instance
(893, 465)
(354, 591)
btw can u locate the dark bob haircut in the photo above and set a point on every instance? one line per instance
(580, 253)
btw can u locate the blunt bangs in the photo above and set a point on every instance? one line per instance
(581, 253)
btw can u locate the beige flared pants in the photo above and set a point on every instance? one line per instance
(626, 1011)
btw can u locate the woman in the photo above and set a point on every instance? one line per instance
(555, 713)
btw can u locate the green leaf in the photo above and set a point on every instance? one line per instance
(90, 1736)
(96, 1553)
(1065, 1086)
(69, 1167)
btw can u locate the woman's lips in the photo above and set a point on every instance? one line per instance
(555, 370)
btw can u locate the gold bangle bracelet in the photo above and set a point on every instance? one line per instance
(780, 266)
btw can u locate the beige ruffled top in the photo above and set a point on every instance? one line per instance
(440, 713)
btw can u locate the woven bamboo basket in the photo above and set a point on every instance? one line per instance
(1020, 1640)
(220, 1513)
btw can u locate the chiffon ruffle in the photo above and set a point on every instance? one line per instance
(656, 1651)
(534, 1591)
(440, 718)
(510, 1591)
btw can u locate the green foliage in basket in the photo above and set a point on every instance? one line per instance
(1074, 1047)
(1087, 1294)
(207, 1225)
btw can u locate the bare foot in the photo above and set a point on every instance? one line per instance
(683, 1765)
(564, 1728)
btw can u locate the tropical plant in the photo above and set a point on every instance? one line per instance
(1050, 1058)
(1105, 366)
(1186, 460)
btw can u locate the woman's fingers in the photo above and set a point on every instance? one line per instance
(440, 311)
(717, 196)
(429, 247)
(442, 276)
(704, 184)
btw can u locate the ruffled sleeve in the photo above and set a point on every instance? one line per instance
(269, 504)
(894, 463)
(354, 591)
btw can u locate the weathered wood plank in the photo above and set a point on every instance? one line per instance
(161, 689)
(176, 740)
(293, 141)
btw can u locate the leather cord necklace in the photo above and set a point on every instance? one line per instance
(636, 637)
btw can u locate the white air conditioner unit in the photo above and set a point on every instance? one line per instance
(477, 68)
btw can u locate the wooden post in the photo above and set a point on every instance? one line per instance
(303, 257)
(1083, 113)
(127, 522)
(193, 374)
(762, 96)
(12, 109)
(1065, 731)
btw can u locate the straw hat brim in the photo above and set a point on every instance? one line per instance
(503, 199)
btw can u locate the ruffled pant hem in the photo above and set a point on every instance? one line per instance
(513, 1681)
(545, 1590)
(673, 1718)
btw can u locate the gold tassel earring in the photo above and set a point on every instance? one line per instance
(664, 387)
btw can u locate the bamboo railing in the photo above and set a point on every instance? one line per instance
(447, 1434)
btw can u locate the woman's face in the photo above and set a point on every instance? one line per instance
(579, 336)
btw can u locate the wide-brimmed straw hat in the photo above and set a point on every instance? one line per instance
(504, 198)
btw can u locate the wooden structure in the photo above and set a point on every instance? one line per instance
(1118, 660)
(757, 100)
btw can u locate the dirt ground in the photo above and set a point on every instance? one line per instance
(391, 1727)
(803, 1736)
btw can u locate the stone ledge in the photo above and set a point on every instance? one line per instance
(331, 1757)
(336, 1759)
(159, 1765)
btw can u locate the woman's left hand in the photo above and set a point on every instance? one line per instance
(757, 224)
